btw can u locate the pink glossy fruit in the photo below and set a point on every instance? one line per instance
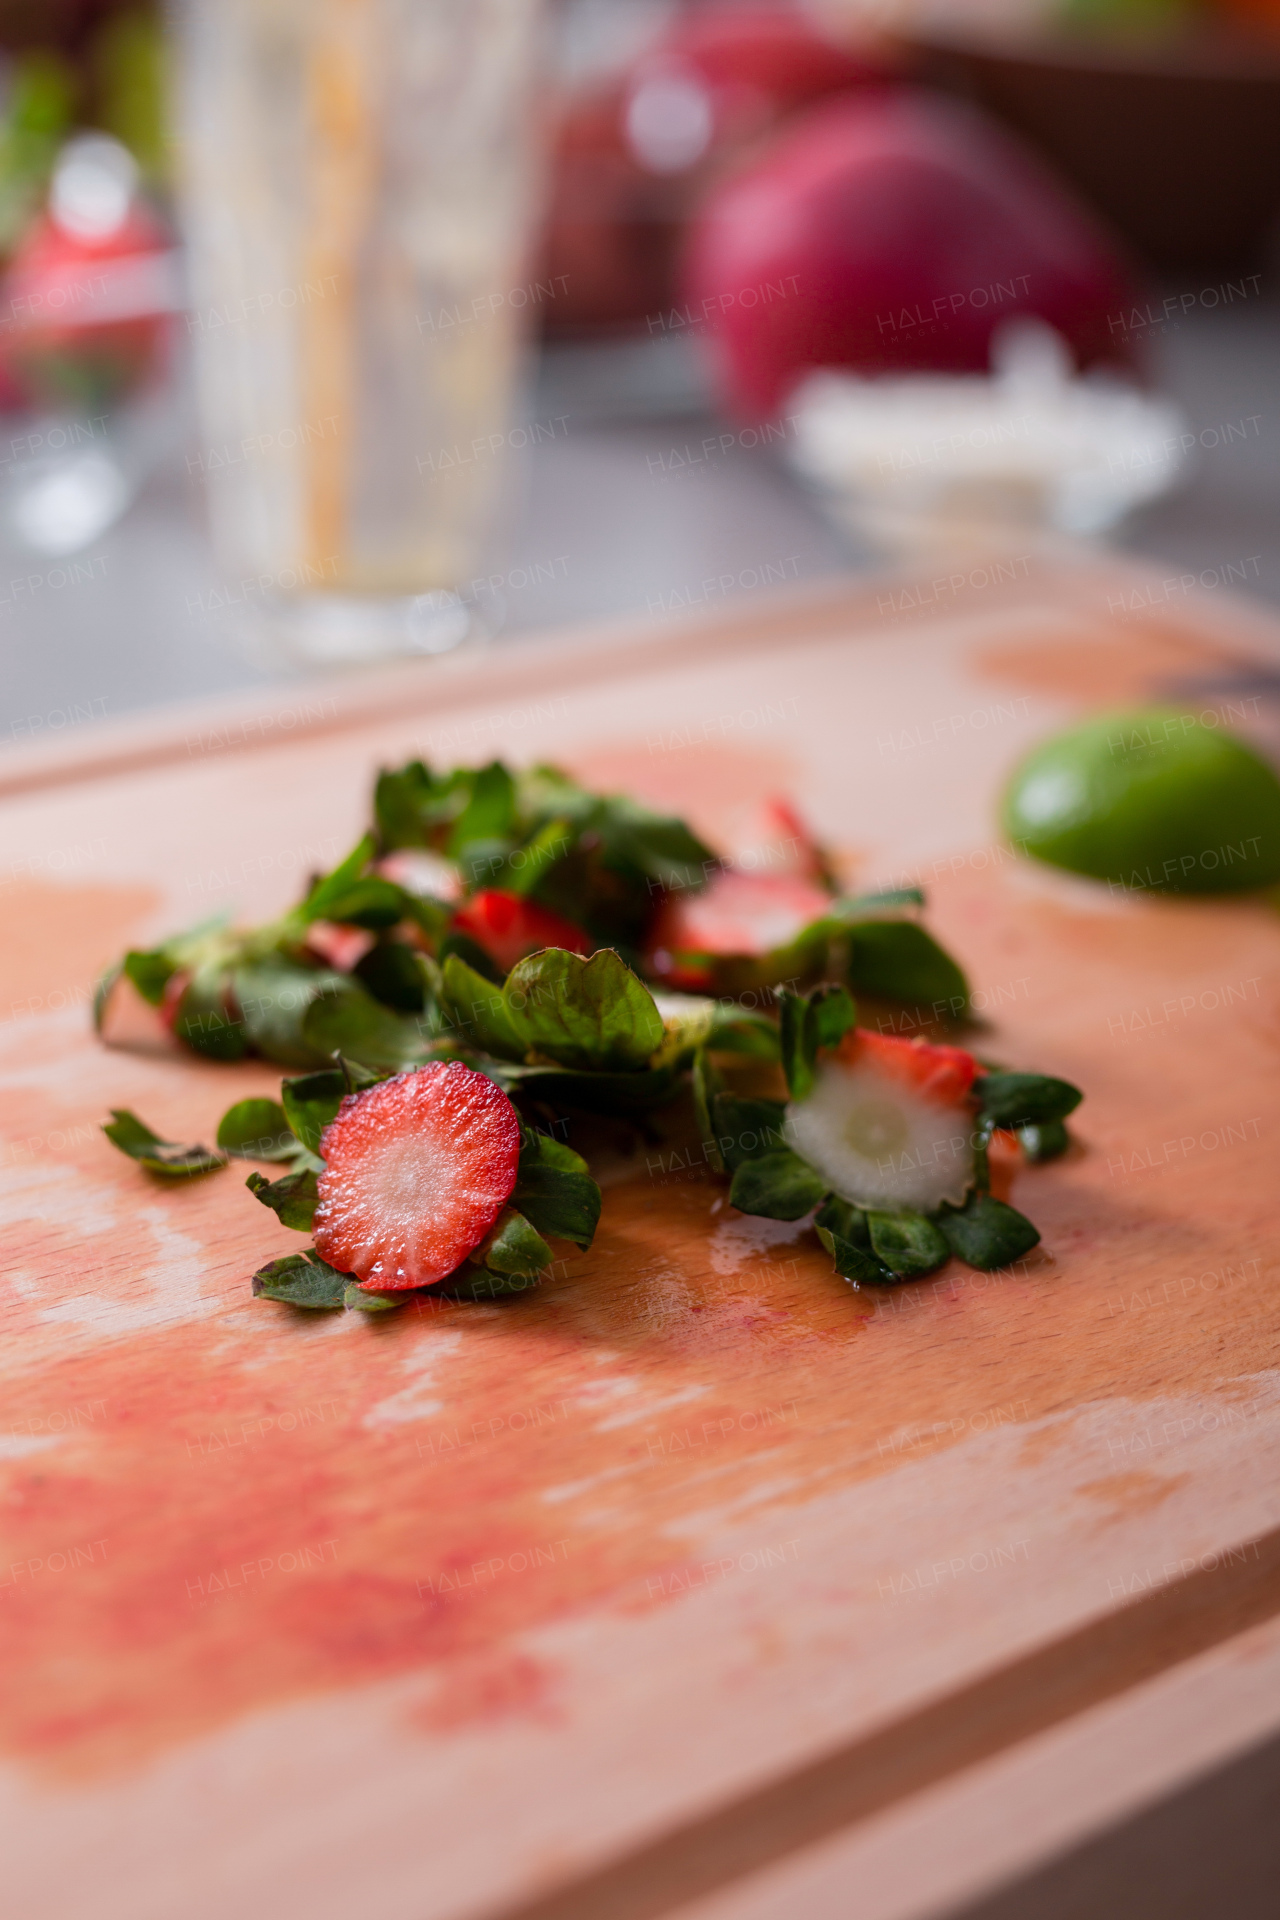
(633, 153)
(888, 232)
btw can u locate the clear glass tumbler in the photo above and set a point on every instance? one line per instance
(360, 178)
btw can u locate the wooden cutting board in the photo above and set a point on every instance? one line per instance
(599, 1602)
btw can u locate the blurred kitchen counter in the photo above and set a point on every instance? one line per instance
(633, 500)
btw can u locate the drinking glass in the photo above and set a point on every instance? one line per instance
(360, 179)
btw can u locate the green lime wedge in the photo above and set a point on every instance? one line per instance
(1153, 800)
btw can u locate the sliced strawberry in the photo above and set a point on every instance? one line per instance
(943, 1075)
(738, 916)
(338, 946)
(508, 927)
(769, 837)
(888, 1124)
(417, 1170)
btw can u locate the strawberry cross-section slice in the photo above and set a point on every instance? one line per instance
(417, 1169)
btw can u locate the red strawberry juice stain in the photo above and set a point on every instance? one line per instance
(274, 1506)
(506, 1686)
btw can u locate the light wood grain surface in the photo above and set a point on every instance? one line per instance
(611, 1600)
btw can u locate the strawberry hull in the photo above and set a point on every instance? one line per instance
(889, 1124)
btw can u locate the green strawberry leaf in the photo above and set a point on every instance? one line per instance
(729, 975)
(302, 1280)
(688, 1020)
(275, 995)
(392, 974)
(330, 889)
(980, 1140)
(162, 1157)
(897, 960)
(1044, 1142)
(808, 1022)
(412, 806)
(256, 1130)
(1024, 1099)
(707, 1085)
(432, 915)
(740, 1030)
(365, 1300)
(514, 1248)
(478, 1011)
(149, 972)
(659, 846)
(746, 1130)
(488, 819)
(781, 1186)
(694, 1021)
(311, 1101)
(350, 1021)
(985, 1232)
(370, 902)
(526, 867)
(586, 1092)
(843, 1231)
(851, 908)
(907, 1243)
(205, 1022)
(554, 1190)
(473, 954)
(102, 992)
(583, 1014)
(294, 1198)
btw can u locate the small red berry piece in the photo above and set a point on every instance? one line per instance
(508, 927)
(745, 915)
(338, 946)
(942, 1075)
(417, 1170)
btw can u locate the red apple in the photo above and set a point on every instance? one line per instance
(890, 232)
(633, 153)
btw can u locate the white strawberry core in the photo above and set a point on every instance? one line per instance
(404, 1188)
(879, 1145)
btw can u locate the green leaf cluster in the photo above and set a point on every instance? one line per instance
(265, 991)
(578, 1033)
(561, 1030)
(600, 860)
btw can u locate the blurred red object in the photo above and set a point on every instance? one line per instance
(893, 233)
(506, 926)
(739, 917)
(90, 288)
(1259, 13)
(633, 154)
